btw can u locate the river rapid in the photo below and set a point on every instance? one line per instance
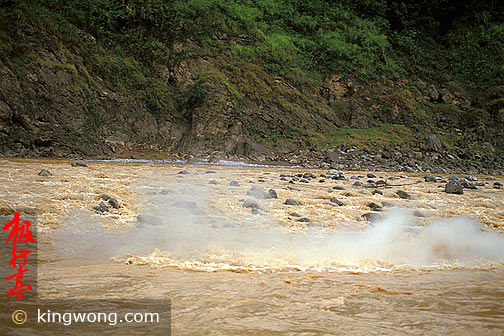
(432, 264)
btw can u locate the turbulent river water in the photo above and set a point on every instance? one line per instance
(432, 264)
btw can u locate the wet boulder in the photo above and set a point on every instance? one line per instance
(336, 201)
(403, 194)
(341, 176)
(272, 193)
(375, 207)
(101, 208)
(432, 179)
(252, 204)
(113, 203)
(78, 164)
(309, 176)
(454, 187)
(497, 185)
(371, 217)
(291, 201)
(44, 172)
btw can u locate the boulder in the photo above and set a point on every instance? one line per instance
(291, 201)
(454, 187)
(375, 207)
(433, 143)
(432, 179)
(44, 172)
(336, 201)
(371, 217)
(403, 195)
(251, 204)
(272, 193)
(101, 208)
(113, 203)
(258, 192)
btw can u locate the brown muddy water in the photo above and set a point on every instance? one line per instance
(229, 271)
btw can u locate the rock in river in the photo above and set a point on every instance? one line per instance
(454, 187)
(44, 172)
(291, 201)
(258, 192)
(403, 194)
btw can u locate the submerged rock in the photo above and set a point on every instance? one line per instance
(251, 204)
(186, 204)
(497, 185)
(234, 184)
(418, 214)
(272, 193)
(78, 164)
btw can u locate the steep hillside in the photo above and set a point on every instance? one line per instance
(349, 84)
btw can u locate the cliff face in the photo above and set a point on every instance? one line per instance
(58, 99)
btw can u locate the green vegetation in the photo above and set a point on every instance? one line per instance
(387, 134)
(303, 41)
(278, 54)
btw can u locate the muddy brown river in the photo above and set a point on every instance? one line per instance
(432, 264)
